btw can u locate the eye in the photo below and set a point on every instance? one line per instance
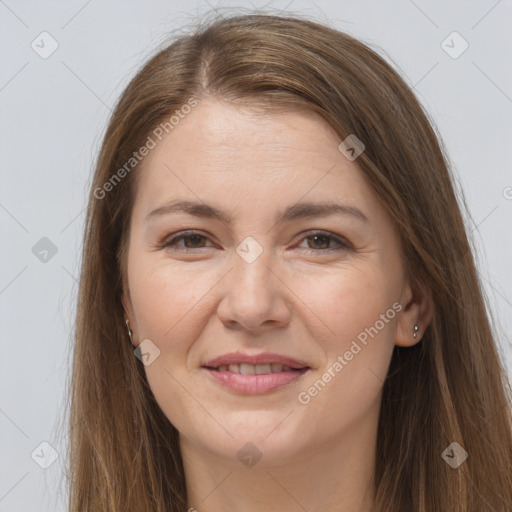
(322, 238)
(321, 241)
(192, 236)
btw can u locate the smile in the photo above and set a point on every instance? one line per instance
(255, 369)
(251, 379)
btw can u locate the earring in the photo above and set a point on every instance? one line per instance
(416, 329)
(129, 331)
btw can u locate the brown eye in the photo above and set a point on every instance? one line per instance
(324, 241)
(321, 242)
(192, 240)
(318, 241)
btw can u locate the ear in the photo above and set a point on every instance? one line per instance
(129, 315)
(417, 310)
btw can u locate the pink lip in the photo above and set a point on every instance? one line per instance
(265, 358)
(255, 384)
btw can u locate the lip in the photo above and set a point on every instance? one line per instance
(259, 383)
(264, 358)
(255, 384)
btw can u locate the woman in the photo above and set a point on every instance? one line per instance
(279, 307)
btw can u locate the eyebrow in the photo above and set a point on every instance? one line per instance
(297, 211)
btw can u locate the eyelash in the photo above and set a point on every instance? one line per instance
(344, 245)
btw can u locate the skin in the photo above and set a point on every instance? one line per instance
(301, 297)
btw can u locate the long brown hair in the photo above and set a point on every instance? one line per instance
(450, 387)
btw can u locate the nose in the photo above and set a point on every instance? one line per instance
(254, 296)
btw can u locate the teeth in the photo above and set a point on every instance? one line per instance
(276, 367)
(262, 368)
(247, 369)
(254, 369)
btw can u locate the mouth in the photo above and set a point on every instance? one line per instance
(256, 369)
(255, 379)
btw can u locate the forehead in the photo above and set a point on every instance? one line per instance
(233, 155)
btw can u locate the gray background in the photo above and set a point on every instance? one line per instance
(53, 116)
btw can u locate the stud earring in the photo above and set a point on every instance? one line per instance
(129, 331)
(416, 329)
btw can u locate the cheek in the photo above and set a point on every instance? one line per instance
(357, 339)
(172, 310)
(169, 301)
(350, 301)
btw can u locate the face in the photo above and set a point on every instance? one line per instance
(324, 289)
